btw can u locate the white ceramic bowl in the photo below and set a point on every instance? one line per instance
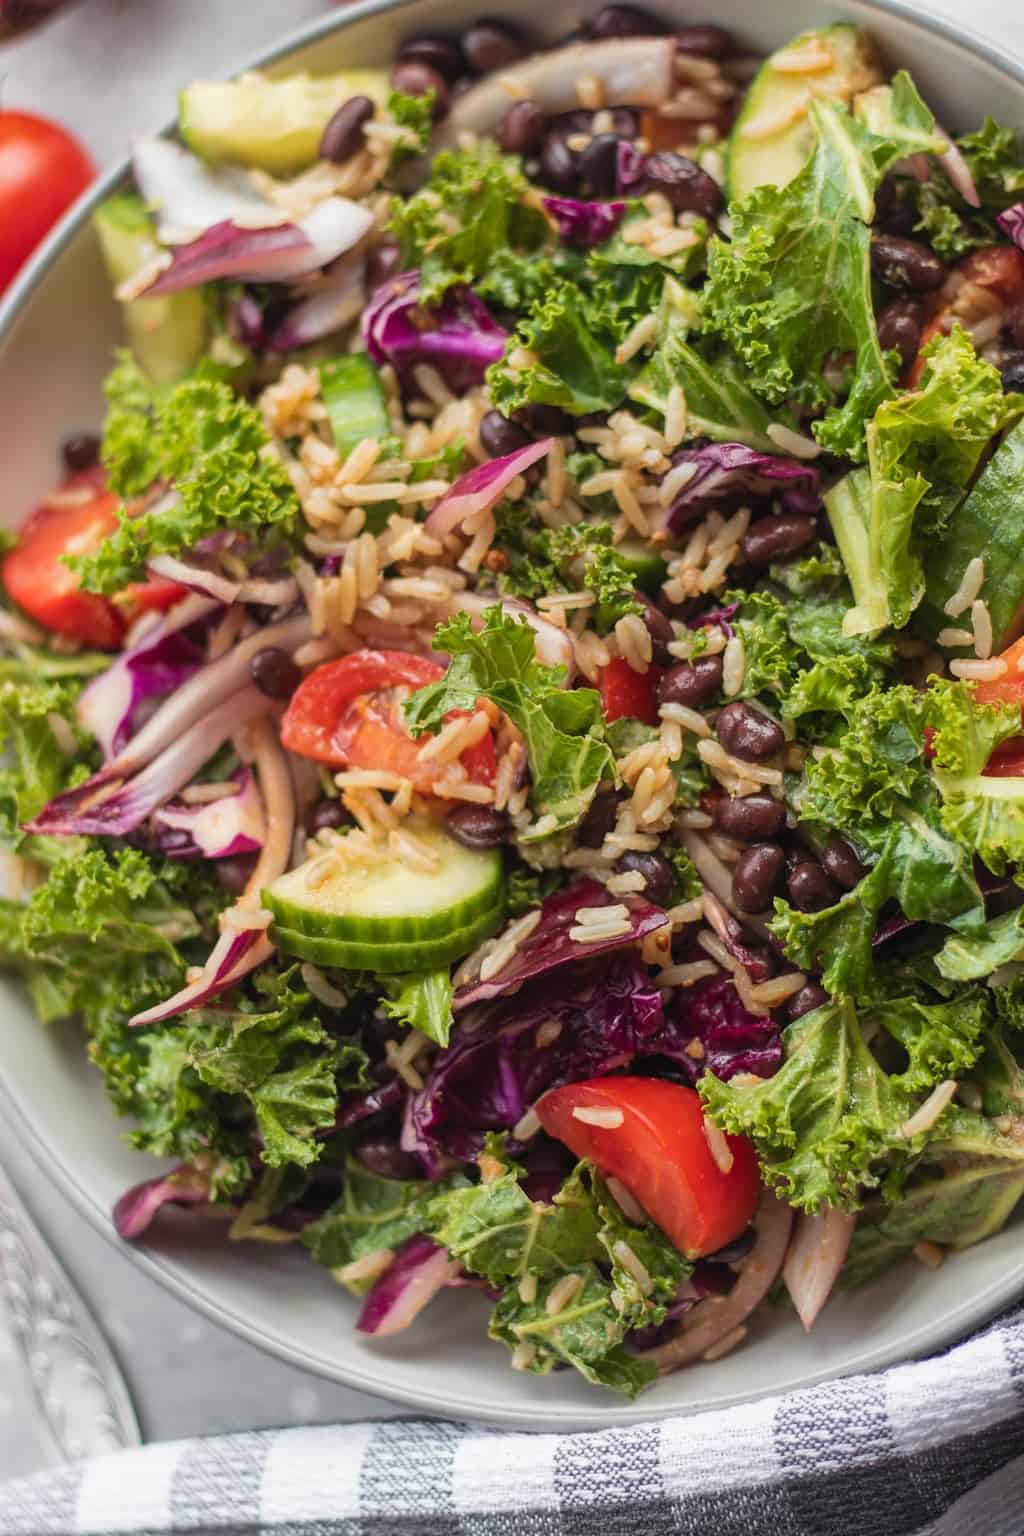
(57, 328)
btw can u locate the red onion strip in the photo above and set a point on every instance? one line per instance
(816, 1254)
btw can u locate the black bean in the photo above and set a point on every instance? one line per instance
(809, 997)
(477, 826)
(558, 165)
(750, 818)
(233, 874)
(499, 435)
(1011, 366)
(625, 21)
(736, 1250)
(691, 683)
(491, 45)
(624, 121)
(894, 214)
(521, 130)
(543, 420)
(328, 813)
(383, 263)
(439, 52)
(80, 452)
(756, 876)
(810, 889)
(414, 78)
(658, 627)
(1015, 325)
(841, 864)
(598, 822)
(899, 326)
(906, 263)
(275, 673)
(599, 165)
(772, 538)
(687, 187)
(656, 872)
(386, 1158)
(745, 732)
(344, 133)
(708, 41)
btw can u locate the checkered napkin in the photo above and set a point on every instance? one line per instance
(931, 1449)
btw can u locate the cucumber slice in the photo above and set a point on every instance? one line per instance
(355, 400)
(270, 125)
(167, 336)
(389, 959)
(389, 904)
(648, 567)
(759, 156)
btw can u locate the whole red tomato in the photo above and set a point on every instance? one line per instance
(42, 171)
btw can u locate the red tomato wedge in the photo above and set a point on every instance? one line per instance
(348, 714)
(153, 596)
(629, 695)
(660, 1152)
(999, 267)
(1007, 761)
(36, 577)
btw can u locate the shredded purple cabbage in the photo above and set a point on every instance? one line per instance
(488, 1078)
(460, 336)
(550, 947)
(118, 702)
(731, 1039)
(725, 470)
(583, 224)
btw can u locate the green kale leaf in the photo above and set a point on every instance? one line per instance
(422, 1001)
(563, 729)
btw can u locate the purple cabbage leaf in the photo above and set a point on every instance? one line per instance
(727, 470)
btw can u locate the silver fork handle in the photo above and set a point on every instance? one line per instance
(80, 1400)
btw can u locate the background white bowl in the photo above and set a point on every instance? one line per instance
(57, 328)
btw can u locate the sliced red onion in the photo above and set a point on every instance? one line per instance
(269, 592)
(482, 487)
(190, 196)
(633, 71)
(957, 169)
(112, 705)
(131, 799)
(713, 1320)
(1012, 223)
(135, 1211)
(335, 301)
(419, 1270)
(224, 250)
(219, 829)
(333, 227)
(206, 583)
(816, 1254)
(236, 953)
(553, 646)
(210, 686)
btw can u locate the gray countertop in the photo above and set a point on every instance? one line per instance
(110, 69)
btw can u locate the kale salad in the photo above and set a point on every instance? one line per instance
(513, 735)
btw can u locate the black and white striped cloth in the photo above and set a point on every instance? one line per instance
(934, 1448)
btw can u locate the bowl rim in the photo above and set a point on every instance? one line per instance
(969, 1314)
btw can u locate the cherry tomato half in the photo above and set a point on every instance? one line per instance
(348, 713)
(660, 1152)
(36, 577)
(153, 596)
(998, 267)
(42, 171)
(629, 695)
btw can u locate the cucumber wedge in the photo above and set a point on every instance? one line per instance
(167, 336)
(761, 154)
(648, 567)
(393, 908)
(388, 959)
(270, 125)
(354, 396)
